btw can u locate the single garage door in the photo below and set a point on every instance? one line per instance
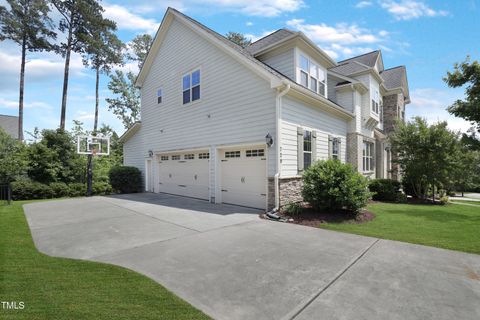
(244, 177)
(185, 174)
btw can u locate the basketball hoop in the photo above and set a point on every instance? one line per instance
(93, 145)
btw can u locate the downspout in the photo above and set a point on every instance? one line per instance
(278, 109)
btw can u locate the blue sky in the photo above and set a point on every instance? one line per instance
(425, 36)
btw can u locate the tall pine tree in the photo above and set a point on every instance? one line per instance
(26, 23)
(79, 20)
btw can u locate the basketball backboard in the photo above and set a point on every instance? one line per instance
(94, 145)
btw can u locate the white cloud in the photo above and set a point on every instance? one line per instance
(341, 39)
(263, 8)
(83, 115)
(410, 9)
(13, 104)
(249, 23)
(40, 68)
(364, 4)
(125, 19)
(431, 104)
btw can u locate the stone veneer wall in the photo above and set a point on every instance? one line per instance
(393, 105)
(271, 193)
(290, 190)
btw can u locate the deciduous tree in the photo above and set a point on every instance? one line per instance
(238, 38)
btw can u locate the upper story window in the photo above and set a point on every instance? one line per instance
(307, 149)
(159, 95)
(375, 101)
(311, 75)
(191, 86)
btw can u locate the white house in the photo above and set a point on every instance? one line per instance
(239, 126)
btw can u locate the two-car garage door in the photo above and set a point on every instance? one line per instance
(241, 171)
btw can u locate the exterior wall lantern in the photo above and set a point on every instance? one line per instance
(150, 153)
(269, 140)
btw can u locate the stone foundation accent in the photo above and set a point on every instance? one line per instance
(290, 190)
(271, 193)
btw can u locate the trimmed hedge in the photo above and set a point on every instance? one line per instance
(386, 190)
(28, 190)
(126, 179)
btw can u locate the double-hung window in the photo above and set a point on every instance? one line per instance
(191, 86)
(368, 156)
(311, 75)
(307, 149)
(336, 148)
(375, 99)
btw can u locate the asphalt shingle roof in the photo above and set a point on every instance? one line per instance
(9, 124)
(349, 68)
(368, 59)
(270, 39)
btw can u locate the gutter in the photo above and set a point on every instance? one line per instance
(278, 110)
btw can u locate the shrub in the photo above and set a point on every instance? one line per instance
(26, 190)
(443, 200)
(101, 188)
(77, 189)
(293, 208)
(333, 185)
(401, 197)
(125, 179)
(385, 189)
(60, 189)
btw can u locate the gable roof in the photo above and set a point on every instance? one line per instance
(235, 50)
(130, 132)
(369, 59)
(395, 78)
(10, 125)
(274, 37)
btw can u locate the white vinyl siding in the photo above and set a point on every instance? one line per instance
(295, 114)
(236, 105)
(283, 61)
(134, 153)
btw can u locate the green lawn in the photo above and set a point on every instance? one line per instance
(453, 226)
(57, 288)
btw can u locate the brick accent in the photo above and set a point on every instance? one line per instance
(290, 190)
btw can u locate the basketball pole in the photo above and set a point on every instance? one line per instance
(89, 175)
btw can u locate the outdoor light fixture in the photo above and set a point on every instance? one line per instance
(150, 153)
(269, 140)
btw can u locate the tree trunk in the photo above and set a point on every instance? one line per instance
(433, 190)
(97, 81)
(22, 86)
(65, 75)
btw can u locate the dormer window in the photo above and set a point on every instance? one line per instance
(311, 76)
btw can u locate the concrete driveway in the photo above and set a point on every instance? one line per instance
(230, 264)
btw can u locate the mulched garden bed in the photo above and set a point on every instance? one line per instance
(312, 218)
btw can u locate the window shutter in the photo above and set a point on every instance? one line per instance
(300, 150)
(330, 146)
(314, 146)
(373, 155)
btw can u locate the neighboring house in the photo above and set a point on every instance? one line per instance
(211, 110)
(10, 125)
